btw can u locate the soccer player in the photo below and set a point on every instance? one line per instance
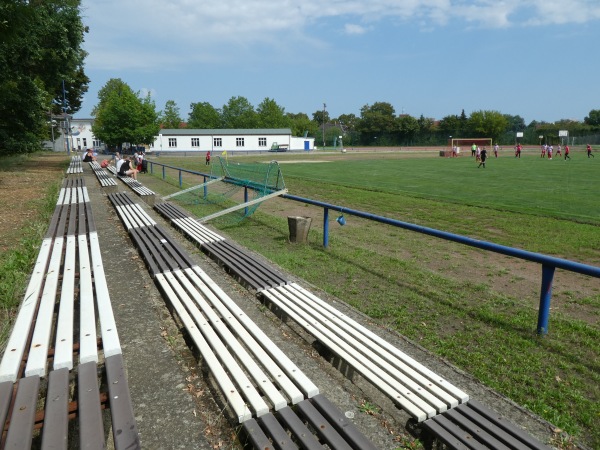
(482, 158)
(567, 152)
(473, 149)
(518, 151)
(543, 155)
(589, 151)
(496, 150)
(558, 150)
(550, 152)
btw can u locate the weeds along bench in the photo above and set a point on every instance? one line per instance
(247, 269)
(104, 177)
(267, 392)
(475, 426)
(63, 354)
(147, 194)
(75, 166)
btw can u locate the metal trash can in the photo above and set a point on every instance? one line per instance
(299, 227)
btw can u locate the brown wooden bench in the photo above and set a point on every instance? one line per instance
(475, 426)
(64, 351)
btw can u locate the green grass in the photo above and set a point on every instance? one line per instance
(534, 204)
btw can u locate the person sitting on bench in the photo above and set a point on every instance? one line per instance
(127, 169)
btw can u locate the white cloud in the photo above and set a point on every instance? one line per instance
(351, 28)
(135, 33)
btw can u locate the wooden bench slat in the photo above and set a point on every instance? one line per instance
(197, 231)
(398, 393)
(91, 428)
(227, 387)
(40, 341)
(444, 435)
(308, 388)
(504, 425)
(276, 432)
(220, 350)
(232, 344)
(479, 432)
(323, 428)
(88, 341)
(256, 435)
(110, 336)
(56, 411)
(341, 423)
(22, 419)
(142, 243)
(124, 427)
(63, 347)
(300, 431)
(6, 393)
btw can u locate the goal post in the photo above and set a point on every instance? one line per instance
(464, 144)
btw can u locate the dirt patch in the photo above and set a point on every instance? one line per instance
(22, 191)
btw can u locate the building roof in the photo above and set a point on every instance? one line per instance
(225, 132)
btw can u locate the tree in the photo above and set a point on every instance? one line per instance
(301, 124)
(170, 117)
(271, 115)
(377, 121)
(321, 117)
(407, 127)
(204, 116)
(42, 72)
(593, 118)
(121, 116)
(487, 124)
(239, 113)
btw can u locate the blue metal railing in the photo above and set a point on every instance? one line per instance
(548, 263)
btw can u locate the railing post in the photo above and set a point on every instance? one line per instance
(180, 179)
(325, 227)
(205, 189)
(163, 173)
(246, 200)
(545, 298)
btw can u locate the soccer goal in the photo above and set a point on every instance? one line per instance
(464, 144)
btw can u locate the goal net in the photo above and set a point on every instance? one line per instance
(464, 144)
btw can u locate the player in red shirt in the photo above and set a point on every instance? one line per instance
(589, 151)
(567, 152)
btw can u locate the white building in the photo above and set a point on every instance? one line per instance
(230, 140)
(81, 137)
(73, 135)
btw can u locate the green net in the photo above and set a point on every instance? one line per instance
(240, 183)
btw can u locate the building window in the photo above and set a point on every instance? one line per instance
(195, 142)
(84, 142)
(262, 142)
(97, 143)
(217, 142)
(239, 142)
(172, 142)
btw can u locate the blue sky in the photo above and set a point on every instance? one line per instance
(535, 58)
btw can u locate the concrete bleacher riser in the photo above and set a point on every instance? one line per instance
(67, 287)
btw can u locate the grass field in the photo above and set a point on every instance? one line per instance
(475, 309)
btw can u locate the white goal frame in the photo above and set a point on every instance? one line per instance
(464, 144)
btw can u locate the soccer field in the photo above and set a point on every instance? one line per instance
(554, 188)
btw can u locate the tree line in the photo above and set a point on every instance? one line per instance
(122, 115)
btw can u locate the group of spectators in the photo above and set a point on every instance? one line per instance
(126, 166)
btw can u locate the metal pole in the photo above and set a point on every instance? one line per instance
(545, 298)
(325, 227)
(324, 106)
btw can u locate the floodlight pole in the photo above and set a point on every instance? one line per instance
(324, 106)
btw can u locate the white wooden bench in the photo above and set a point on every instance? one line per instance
(253, 373)
(75, 166)
(104, 177)
(147, 194)
(57, 338)
(413, 387)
